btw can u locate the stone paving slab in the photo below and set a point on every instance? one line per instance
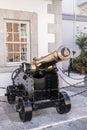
(43, 119)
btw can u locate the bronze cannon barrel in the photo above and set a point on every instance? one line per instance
(63, 53)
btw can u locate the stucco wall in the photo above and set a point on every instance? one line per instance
(38, 6)
(74, 22)
(71, 7)
(70, 31)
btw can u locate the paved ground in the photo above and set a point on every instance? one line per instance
(48, 118)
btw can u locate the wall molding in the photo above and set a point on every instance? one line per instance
(32, 18)
(73, 17)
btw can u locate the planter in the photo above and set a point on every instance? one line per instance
(83, 71)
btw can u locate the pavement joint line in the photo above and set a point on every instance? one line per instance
(58, 123)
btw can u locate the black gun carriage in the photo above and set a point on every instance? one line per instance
(36, 85)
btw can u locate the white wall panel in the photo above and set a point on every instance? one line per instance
(38, 6)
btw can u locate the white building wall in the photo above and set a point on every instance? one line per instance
(67, 6)
(81, 1)
(67, 27)
(40, 7)
(72, 27)
(70, 7)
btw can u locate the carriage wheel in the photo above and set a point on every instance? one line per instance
(64, 103)
(25, 110)
(10, 96)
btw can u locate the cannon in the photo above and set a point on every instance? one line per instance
(36, 85)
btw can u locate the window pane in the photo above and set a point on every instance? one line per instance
(16, 37)
(16, 57)
(23, 48)
(16, 47)
(23, 30)
(16, 40)
(10, 57)
(10, 47)
(9, 37)
(16, 27)
(23, 39)
(23, 56)
(9, 27)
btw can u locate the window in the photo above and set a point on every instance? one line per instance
(17, 39)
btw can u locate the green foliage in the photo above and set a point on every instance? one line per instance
(81, 41)
(80, 62)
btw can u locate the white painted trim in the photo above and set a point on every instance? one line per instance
(28, 38)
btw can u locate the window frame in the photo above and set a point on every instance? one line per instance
(20, 22)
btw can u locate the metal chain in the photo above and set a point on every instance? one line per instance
(70, 76)
(2, 88)
(71, 85)
(76, 94)
(3, 101)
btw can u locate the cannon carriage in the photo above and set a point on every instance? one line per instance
(36, 85)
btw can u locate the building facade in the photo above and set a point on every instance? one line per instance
(74, 22)
(28, 29)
